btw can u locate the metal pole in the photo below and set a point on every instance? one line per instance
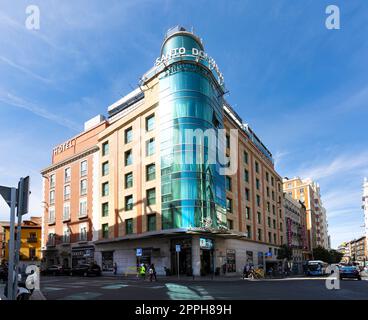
(19, 233)
(177, 255)
(13, 197)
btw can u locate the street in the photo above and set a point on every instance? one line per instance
(110, 288)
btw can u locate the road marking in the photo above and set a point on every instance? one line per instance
(115, 286)
(51, 289)
(82, 296)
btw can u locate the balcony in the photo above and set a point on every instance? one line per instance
(51, 221)
(32, 240)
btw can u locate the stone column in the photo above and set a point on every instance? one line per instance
(196, 257)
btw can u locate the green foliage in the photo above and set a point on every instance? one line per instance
(330, 256)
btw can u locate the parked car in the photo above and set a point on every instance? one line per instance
(56, 270)
(86, 270)
(351, 272)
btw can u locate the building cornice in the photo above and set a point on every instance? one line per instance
(69, 160)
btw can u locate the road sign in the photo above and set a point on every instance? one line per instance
(139, 252)
(23, 195)
(177, 248)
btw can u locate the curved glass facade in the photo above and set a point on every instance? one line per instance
(193, 191)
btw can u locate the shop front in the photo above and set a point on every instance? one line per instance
(183, 258)
(82, 255)
(206, 246)
(107, 260)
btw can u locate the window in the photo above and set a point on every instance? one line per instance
(151, 196)
(51, 238)
(281, 226)
(129, 226)
(83, 168)
(128, 157)
(129, 180)
(67, 192)
(51, 215)
(268, 206)
(128, 202)
(150, 172)
(66, 235)
(259, 218)
(258, 200)
(150, 147)
(82, 208)
(247, 194)
(269, 237)
(150, 122)
(83, 187)
(301, 191)
(247, 213)
(105, 168)
(274, 238)
(105, 230)
(83, 233)
(105, 189)
(151, 222)
(246, 175)
(67, 174)
(259, 235)
(273, 195)
(66, 211)
(269, 222)
(249, 232)
(105, 209)
(128, 135)
(281, 239)
(105, 148)
(272, 181)
(257, 184)
(268, 191)
(228, 183)
(245, 156)
(274, 223)
(52, 181)
(52, 197)
(257, 167)
(229, 205)
(230, 224)
(32, 253)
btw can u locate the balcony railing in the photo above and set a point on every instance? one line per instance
(32, 240)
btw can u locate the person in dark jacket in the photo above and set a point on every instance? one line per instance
(152, 272)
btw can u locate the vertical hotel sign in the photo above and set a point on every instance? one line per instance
(63, 147)
(289, 237)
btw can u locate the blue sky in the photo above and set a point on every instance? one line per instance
(301, 87)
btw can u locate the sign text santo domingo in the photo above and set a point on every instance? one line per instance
(176, 52)
(64, 146)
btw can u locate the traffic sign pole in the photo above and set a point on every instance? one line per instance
(177, 254)
(10, 293)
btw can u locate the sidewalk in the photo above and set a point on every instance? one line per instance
(184, 278)
(36, 295)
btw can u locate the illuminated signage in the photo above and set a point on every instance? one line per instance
(194, 52)
(64, 146)
(205, 243)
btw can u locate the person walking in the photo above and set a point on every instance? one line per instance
(152, 272)
(246, 271)
(142, 271)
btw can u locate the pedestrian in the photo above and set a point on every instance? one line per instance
(152, 272)
(270, 272)
(142, 271)
(115, 267)
(246, 270)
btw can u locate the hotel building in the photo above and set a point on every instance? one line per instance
(308, 192)
(296, 231)
(143, 200)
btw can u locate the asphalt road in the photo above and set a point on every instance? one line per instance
(102, 288)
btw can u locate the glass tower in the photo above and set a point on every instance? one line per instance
(191, 98)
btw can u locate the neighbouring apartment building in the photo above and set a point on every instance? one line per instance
(125, 190)
(296, 231)
(365, 207)
(2, 240)
(358, 250)
(344, 248)
(308, 192)
(30, 240)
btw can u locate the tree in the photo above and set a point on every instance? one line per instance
(335, 256)
(330, 256)
(285, 252)
(320, 253)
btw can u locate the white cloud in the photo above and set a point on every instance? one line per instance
(18, 102)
